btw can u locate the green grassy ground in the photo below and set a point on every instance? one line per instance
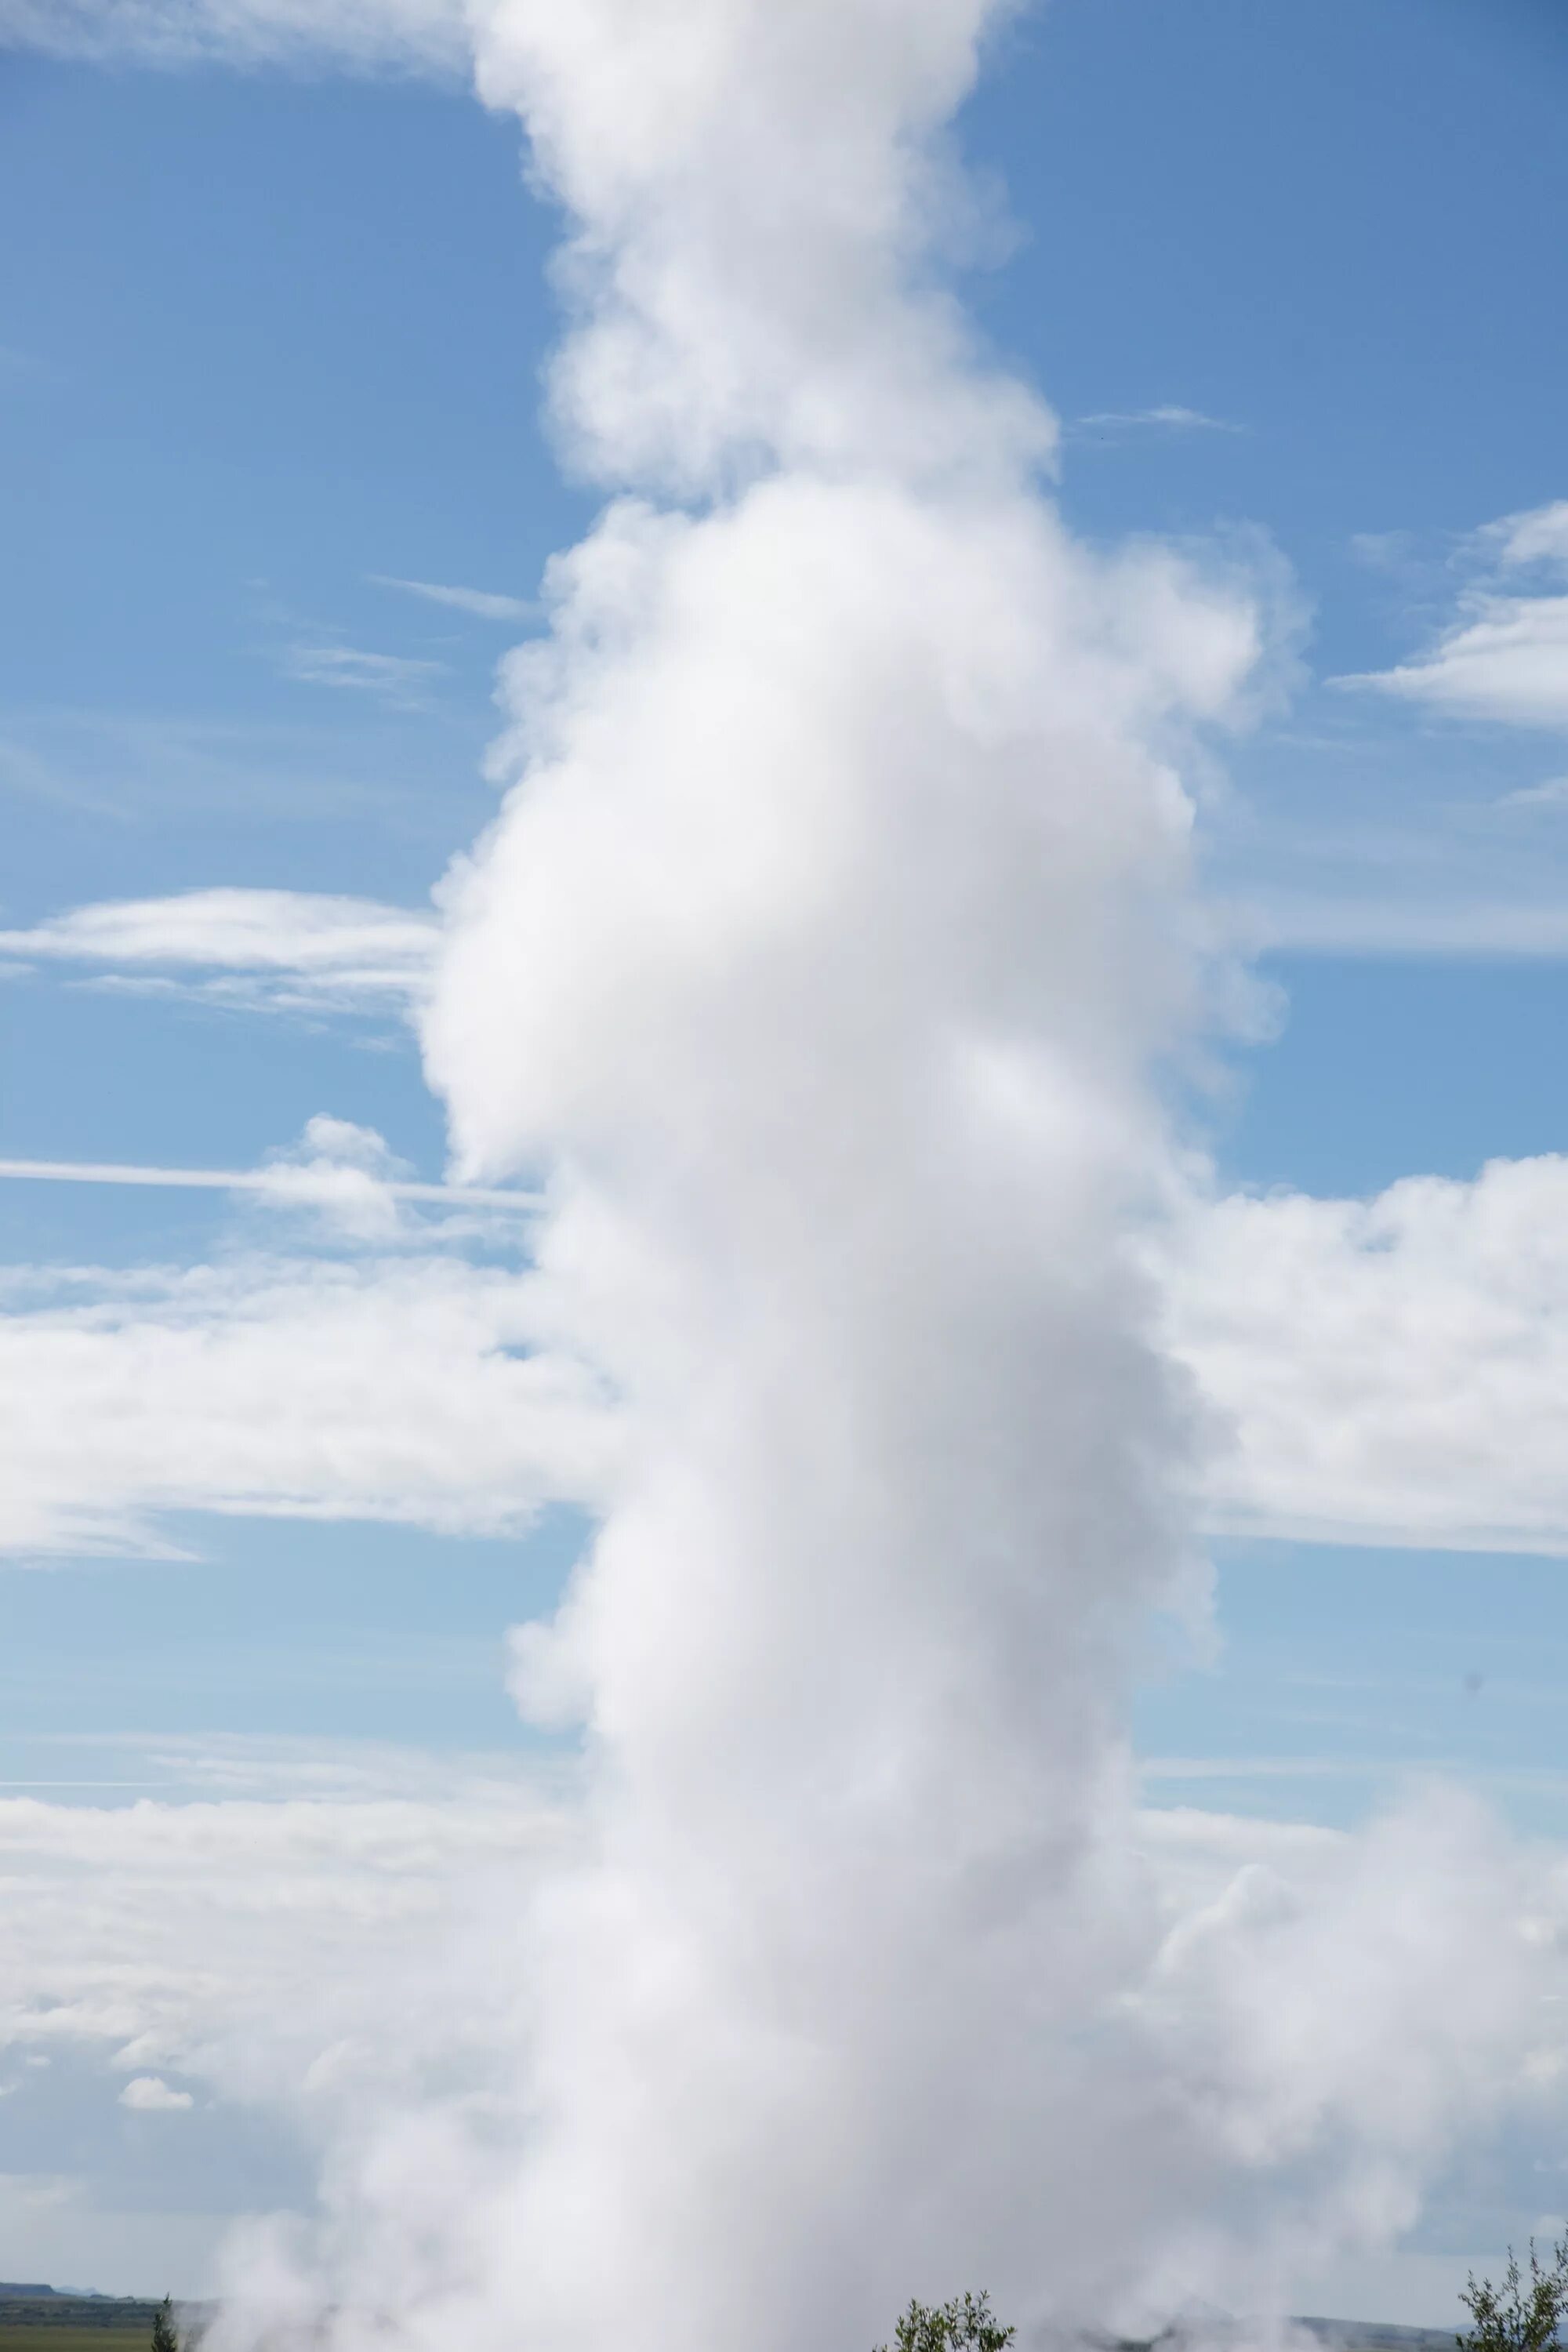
(64, 2323)
(70, 2336)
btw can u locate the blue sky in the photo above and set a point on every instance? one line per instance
(270, 346)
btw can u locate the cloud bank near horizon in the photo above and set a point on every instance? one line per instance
(333, 1944)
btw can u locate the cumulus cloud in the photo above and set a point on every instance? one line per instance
(413, 1389)
(149, 2095)
(1393, 1369)
(1505, 656)
(287, 949)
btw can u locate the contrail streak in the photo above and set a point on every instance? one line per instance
(287, 1182)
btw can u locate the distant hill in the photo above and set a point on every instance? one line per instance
(1334, 2334)
(1375, 2335)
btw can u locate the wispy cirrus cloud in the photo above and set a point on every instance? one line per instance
(408, 35)
(401, 680)
(1366, 923)
(130, 768)
(1169, 417)
(1552, 793)
(481, 603)
(277, 949)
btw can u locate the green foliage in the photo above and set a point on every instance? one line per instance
(967, 2324)
(163, 2337)
(1526, 2313)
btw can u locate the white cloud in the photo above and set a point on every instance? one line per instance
(1393, 1371)
(121, 768)
(412, 1389)
(480, 602)
(1505, 656)
(257, 1768)
(289, 950)
(150, 2095)
(1552, 793)
(400, 678)
(1507, 659)
(1383, 550)
(276, 1947)
(339, 1168)
(354, 1965)
(1172, 419)
(421, 36)
(1539, 536)
(1364, 922)
(328, 1943)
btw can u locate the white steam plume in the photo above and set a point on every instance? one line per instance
(819, 962)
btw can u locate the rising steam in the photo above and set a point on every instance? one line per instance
(824, 963)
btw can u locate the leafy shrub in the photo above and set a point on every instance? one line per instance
(967, 2324)
(1526, 2313)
